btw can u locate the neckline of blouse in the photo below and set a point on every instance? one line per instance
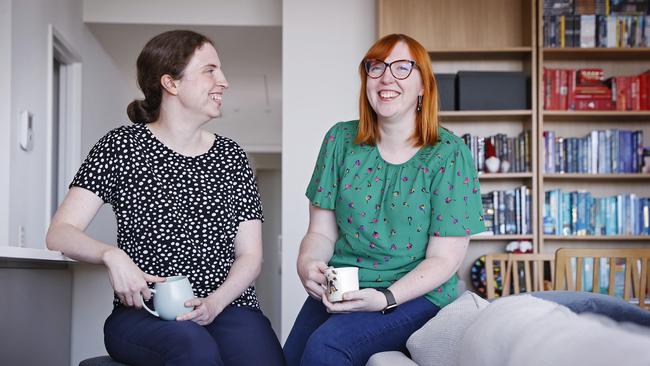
(406, 162)
(173, 152)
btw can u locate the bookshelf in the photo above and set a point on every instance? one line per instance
(478, 35)
(507, 35)
(568, 123)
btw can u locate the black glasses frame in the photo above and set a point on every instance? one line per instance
(389, 66)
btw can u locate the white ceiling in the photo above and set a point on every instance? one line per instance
(252, 62)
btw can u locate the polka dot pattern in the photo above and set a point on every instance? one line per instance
(176, 215)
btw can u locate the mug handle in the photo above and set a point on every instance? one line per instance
(145, 305)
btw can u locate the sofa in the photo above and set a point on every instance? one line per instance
(541, 328)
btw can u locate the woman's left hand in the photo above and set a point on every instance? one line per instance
(367, 299)
(205, 310)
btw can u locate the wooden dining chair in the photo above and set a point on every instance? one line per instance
(521, 272)
(607, 264)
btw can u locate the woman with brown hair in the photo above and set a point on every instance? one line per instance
(186, 203)
(395, 195)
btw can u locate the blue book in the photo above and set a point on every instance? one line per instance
(602, 156)
(615, 158)
(581, 211)
(646, 216)
(625, 148)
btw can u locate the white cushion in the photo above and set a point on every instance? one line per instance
(585, 339)
(438, 341)
(490, 339)
(390, 358)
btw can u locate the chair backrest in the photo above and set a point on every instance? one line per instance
(522, 272)
(617, 272)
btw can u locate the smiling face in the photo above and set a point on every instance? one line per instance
(391, 98)
(201, 87)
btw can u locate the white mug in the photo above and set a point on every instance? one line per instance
(341, 280)
(169, 298)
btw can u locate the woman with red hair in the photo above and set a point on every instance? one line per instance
(395, 195)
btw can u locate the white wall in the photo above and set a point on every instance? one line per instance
(268, 284)
(323, 43)
(5, 117)
(105, 96)
(197, 12)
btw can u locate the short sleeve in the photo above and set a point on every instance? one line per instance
(322, 190)
(98, 172)
(456, 197)
(246, 197)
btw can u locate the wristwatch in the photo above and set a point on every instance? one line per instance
(390, 300)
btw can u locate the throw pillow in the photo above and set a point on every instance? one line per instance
(438, 341)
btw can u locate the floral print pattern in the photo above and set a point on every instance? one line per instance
(386, 212)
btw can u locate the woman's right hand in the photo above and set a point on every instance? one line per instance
(312, 275)
(127, 279)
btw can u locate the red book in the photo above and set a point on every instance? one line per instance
(635, 94)
(594, 105)
(562, 98)
(593, 89)
(643, 91)
(555, 96)
(547, 89)
(593, 96)
(590, 76)
(571, 105)
(619, 88)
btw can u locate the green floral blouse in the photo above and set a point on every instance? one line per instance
(386, 212)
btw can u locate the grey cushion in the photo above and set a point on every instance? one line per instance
(587, 302)
(391, 358)
(100, 361)
(438, 342)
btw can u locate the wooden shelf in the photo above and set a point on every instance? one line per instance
(501, 237)
(596, 238)
(481, 53)
(497, 176)
(596, 116)
(583, 176)
(599, 53)
(478, 116)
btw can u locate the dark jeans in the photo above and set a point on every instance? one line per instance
(320, 338)
(237, 336)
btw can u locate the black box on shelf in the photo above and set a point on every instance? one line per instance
(446, 91)
(493, 90)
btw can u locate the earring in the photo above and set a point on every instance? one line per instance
(419, 108)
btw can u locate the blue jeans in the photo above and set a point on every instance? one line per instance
(321, 338)
(237, 336)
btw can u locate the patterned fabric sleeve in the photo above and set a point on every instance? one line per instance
(323, 186)
(98, 173)
(456, 197)
(246, 197)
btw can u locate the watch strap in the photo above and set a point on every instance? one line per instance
(391, 304)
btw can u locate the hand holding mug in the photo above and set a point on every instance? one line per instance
(127, 279)
(205, 310)
(341, 280)
(171, 297)
(312, 276)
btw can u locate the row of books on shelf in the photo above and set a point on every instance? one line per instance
(598, 7)
(587, 89)
(513, 153)
(599, 152)
(589, 31)
(507, 212)
(579, 213)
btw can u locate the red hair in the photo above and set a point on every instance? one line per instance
(426, 120)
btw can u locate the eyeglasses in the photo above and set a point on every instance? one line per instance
(400, 69)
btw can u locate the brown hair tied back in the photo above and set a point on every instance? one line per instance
(167, 53)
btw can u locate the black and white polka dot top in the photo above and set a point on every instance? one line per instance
(176, 215)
